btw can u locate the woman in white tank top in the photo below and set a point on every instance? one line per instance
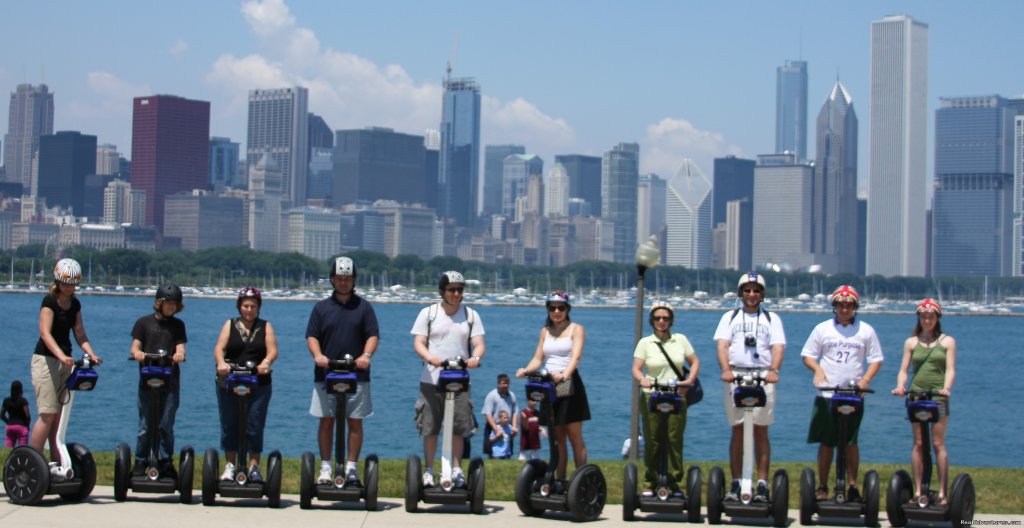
(559, 349)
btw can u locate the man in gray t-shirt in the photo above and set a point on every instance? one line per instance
(499, 399)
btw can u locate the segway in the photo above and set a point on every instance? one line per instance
(845, 404)
(748, 395)
(156, 377)
(924, 411)
(341, 382)
(453, 379)
(665, 401)
(537, 489)
(241, 381)
(28, 476)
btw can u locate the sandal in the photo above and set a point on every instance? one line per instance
(943, 502)
(821, 494)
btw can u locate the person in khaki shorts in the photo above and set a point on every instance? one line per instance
(60, 314)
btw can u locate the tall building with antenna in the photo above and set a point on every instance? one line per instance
(459, 163)
(31, 116)
(791, 108)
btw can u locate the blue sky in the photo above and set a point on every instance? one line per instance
(685, 79)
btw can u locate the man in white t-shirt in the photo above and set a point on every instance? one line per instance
(444, 331)
(750, 339)
(840, 351)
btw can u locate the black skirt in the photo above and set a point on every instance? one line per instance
(573, 408)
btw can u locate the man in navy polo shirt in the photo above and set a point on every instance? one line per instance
(343, 323)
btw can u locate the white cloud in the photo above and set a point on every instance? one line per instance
(178, 48)
(670, 141)
(109, 98)
(351, 91)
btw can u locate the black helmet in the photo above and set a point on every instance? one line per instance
(169, 292)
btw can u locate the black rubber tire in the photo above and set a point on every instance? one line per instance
(211, 464)
(898, 493)
(693, 490)
(716, 494)
(807, 498)
(531, 473)
(85, 472)
(961, 500)
(413, 483)
(186, 474)
(122, 471)
(780, 498)
(872, 497)
(307, 480)
(274, 468)
(629, 478)
(477, 485)
(26, 476)
(588, 492)
(371, 476)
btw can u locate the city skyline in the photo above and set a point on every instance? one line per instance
(364, 67)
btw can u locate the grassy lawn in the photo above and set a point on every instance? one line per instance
(998, 489)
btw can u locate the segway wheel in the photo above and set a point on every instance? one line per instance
(477, 485)
(371, 476)
(26, 475)
(122, 471)
(85, 471)
(871, 498)
(807, 499)
(716, 494)
(780, 498)
(306, 480)
(274, 479)
(526, 483)
(629, 478)
(413, 484)
(961, 500)
(587, 493)
(898, 493)
(693, 487)
(186, 474)
(211, 463)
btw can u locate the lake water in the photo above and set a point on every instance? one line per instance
(984, 430)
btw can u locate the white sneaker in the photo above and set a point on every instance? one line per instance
(326, 474)
(229, 472)
(522, 456)
(428, 479)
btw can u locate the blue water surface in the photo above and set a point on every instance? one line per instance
(985, 427)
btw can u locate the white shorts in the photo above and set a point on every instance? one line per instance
(359, 406)
(762, 415)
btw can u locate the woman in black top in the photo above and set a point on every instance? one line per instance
(15, 414)
(60, 314)
(244, 339)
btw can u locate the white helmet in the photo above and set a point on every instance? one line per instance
(67, 271)
(343, 266)
(751, 277)
(449, 277)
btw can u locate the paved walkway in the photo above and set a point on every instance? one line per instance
(156, 511)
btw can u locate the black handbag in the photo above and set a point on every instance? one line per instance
(696, 392)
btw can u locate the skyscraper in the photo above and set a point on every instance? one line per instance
(733, 180)
(494, 166)
(620, 171)
(377, 163)
(972, 217)
(65, 158)
(108, 160)
(279, 125)
(223, 163)
(834, 207)
(897, 147)
(170, 149)
(556, 192)
(791, 108)
(688, 214)
(584, 178)
(650, 205)
(516, 172)
(782, 212)
(459, 166)
(1018, 196)
(265, 220)
(31, 116)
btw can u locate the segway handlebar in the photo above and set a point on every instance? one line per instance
(847, 389)
(921, 395)
(344, 364)
(670, 386)
(541, 374)
(455, 363)
(750, 377)
(249, 367)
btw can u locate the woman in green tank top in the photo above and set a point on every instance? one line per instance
(932, 354)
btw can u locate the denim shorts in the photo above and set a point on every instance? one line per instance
(359, 406)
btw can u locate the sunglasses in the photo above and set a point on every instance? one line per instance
(456, 289)
(557, 308)
(661, 317)
(752, 290)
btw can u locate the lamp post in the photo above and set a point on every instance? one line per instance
(647, 255)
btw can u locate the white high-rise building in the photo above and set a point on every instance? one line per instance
(108, 160)
(279, 126)
(688, 216)
(123, 205)
(556, 191)
(264, 207)
(898, 130)
(782, 212)
(651, 198)
(314, 232)
(31, 116)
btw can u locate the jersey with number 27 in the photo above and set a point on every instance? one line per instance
(843, 351)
